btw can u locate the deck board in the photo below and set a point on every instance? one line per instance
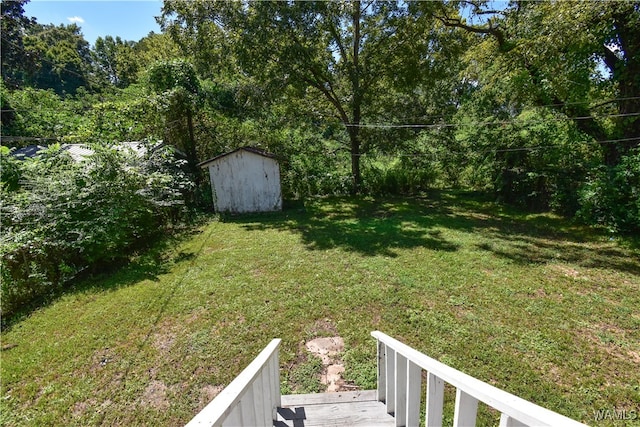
(355, 408)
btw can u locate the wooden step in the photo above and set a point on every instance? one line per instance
(353, 408)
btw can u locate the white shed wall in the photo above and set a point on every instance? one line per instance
(245, 182)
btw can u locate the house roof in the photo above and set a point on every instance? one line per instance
(28, 152)
(77, 151)
(80, 151)
(249, 149)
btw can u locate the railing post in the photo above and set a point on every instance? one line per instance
(401, 390)
(382, 372)
(414, 389)
(466, 410)
(252, 398)
(435, 400)
(469, 391)
(259, 398)
(274, 382)
(507, 421)
(247, 408)
(234, 418)
(390, 370)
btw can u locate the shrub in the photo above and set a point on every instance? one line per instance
(399, 177)
(612, 196)
(68, 216)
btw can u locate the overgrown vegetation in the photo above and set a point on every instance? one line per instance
(531, 303)
(534, 102)
(61, 216)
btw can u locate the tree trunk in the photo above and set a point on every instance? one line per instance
(627, 71)
(354, 139)
(354, 130)
(192, 155)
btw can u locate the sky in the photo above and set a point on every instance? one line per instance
(131, 19)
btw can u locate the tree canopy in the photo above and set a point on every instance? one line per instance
(535, 102)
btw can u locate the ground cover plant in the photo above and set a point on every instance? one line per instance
(531, 303)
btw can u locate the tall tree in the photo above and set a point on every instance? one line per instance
(155, 47)
(115, 59)
(178, 89)
(557, 48)
(343, 51)
(16, 61)
(63, 58)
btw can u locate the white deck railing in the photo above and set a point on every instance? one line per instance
(251, 399)
(400, 384)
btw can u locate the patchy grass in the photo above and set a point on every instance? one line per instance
(530, 303)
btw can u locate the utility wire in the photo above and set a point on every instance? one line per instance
(501, 122)
(506, 150)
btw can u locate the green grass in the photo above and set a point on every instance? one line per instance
(533, 304)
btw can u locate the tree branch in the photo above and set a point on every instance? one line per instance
(491, 30)
(610, 58)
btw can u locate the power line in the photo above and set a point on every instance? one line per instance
(609, 141)
(502, 122)
(437, 125)
(516, 149)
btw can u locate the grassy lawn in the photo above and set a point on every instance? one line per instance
(530, 303)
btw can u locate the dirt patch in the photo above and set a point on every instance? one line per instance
(566, 271)
(164, 340)
(611, 339)
(540, 293)
(328, 349)
(195, 315)
(332, 378)
(635, 356)
(82, 408)
(155, 396)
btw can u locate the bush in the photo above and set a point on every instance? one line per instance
(398, 178)
(68, 216)
(612, 196)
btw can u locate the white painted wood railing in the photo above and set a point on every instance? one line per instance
(400, 383)
(251, 399)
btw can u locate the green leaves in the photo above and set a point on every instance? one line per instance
(65, 216)
(165, 76)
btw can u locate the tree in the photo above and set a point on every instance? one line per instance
(16, 61)
(60, 217)
(178, 88)
(115, 59)
(62, 56)
(342, 51)
(556, 50)
(153, 48)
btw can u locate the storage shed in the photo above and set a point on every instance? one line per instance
(245, 180)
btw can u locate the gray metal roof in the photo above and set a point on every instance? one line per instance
(28, 152)
(80, 151)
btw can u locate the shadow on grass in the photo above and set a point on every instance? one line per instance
(364, 225)
(372, 226)
(151, 262)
